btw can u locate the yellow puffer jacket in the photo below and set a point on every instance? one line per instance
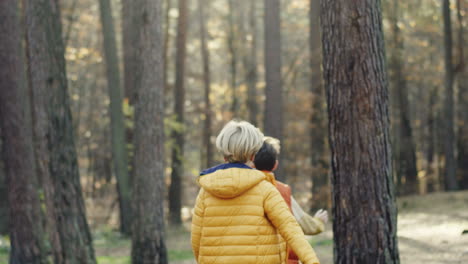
(238, 215)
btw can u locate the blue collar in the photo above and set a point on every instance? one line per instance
(224, 166)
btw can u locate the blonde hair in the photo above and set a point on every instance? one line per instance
(239, 141)
(274, 142)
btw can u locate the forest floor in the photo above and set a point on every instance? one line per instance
(430, 231)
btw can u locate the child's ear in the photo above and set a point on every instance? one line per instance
(276, 165)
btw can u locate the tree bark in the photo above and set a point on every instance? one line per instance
(451, 183)
(148, 245)
(251, 65)
(462, 124)
(364, 207)
(53, 134)
(207, 83)
(167, 26)
(318, 129)
(406, 162)
(175, 190)
(4, 219)
(128, 46)
(129, 38)
(233, 57)
(273, 118)
(119, 148)
(27, 237)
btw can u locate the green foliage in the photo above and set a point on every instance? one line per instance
(4, 249)
(113, 260)
(322, 242)
(175, 255)
(114, 248)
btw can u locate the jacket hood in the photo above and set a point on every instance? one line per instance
(229, 180)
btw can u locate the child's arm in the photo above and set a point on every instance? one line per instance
(310, 225)
(197, 224)
(279, 214)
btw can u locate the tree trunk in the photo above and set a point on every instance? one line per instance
(175, 190)
(251, 66)
(207, 83)
(119, 148)
(129, 37)
(364, 207)
(462, 124)
(273, 119)
(4, 219)
(318, 129)
(462, 140)
(449, 137)
(53, 134)
(148, 245)
(233, 56)
(406, 162)
(167, 26)
(128, 46)
(27, 237)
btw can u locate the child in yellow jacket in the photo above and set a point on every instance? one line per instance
(238, 213)
(266, 160)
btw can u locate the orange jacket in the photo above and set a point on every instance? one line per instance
(285, 191)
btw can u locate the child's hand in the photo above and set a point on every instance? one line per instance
(322, 215)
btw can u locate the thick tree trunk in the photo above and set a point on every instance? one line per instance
(53, 134)
(251, 66)
(273, 119)
(318, 129)
(27, 237)
(451, 183)
(406, 162)
(208, 153)
(148, 245)
(175, 190)
(119, 149)
(364, 207)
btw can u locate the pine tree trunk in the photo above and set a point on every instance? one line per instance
(462, 113)
(128, 49)
(175, 190)
(406, 162)
(167, 26)
(148, 245)
(4, 219)
(318, 129)
(273, 118)
(128, 46)
(233, 57)
(364, 209)
(119, 148)
(207, 83)
(252, 73)
(27, 237)
(451, 183)
(57, 160)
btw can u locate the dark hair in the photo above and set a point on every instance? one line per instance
(266, 157)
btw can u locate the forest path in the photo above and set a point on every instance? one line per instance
(429, 230)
